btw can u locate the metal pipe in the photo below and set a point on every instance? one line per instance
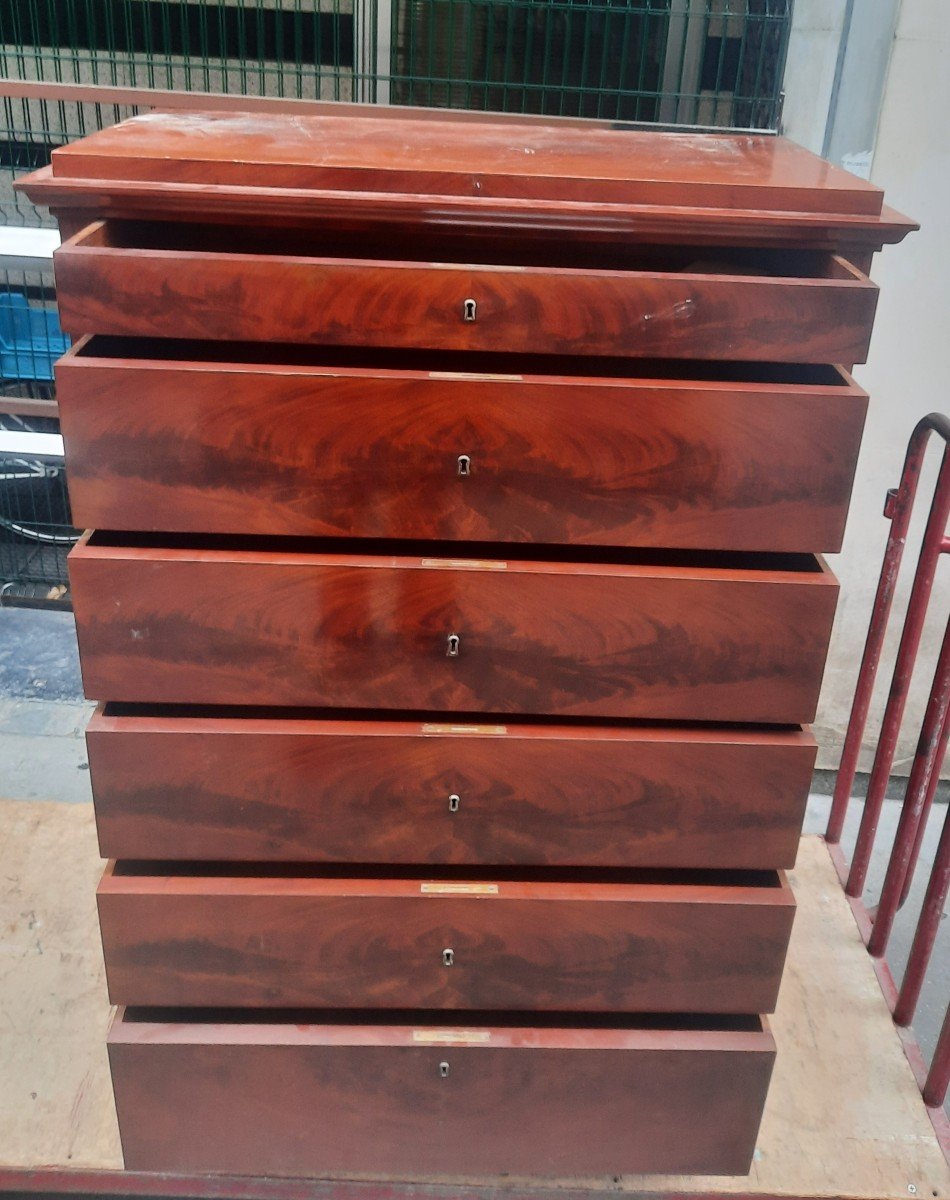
(921, 785)
(900, 681)
(926, 932)
(898, 507)
(925, 814)
(938, 1077)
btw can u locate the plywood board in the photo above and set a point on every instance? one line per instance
(844, 1116)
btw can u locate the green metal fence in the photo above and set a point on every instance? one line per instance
(674, 62)
(709, 62)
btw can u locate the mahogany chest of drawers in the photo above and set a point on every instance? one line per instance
(455, 491)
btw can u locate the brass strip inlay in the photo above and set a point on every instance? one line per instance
(476, 375)
(485, 730)
(459, 889)
(464, 564)
(451, 1035)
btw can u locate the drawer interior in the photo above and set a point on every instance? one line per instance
(399, 1022)
(404, 880)
(183, 239)
(369, 359)
(275, 718)
(463, 555)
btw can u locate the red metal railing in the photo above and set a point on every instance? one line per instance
(922, 783)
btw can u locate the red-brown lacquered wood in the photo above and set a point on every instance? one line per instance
(358, 630)
(340, 448)
(106, 283)
(298, 790)
(486, 159)
(480, 943)
(289, 1099)
(424, 172)
(79, 202)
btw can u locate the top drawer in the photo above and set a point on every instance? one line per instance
(181, 281)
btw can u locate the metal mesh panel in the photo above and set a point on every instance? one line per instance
(672, 61)
(35, 527)
(301, 48)
(716, 62)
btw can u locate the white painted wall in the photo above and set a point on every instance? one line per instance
(908, 373)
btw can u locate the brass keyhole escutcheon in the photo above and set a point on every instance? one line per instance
(452, 645)
(464, 466)
(469, 309)
(444, 1070)
(454, 802)
(448, 957)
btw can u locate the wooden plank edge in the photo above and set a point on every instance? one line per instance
(888, 985)
(639, 222)
(64, 1181)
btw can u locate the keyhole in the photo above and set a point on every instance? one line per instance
(464, 465)
(454, 802)
(468, 310)
(452, 645)
(444, 1070)
(448, 958)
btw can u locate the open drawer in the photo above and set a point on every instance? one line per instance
(209, 438)
(317, 1094)
(570, 941)
(279, 786)
(391, 626)
(222, 283)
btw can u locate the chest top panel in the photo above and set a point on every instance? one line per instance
(495, 159)
(416, 173)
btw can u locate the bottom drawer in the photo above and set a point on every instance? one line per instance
(256, 1096)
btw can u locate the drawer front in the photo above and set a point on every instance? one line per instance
(271, 1099)
(212, 447)
(116, 280)
(328, 942)
(263, 790)
(234, 626)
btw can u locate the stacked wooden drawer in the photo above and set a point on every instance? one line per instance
(455, 489)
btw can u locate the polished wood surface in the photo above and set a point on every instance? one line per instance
(160, 441)
(297, 1099)
(456, 612)
(377, 942)
(497, 158)
(559, 637)
(416, 175)
(75, 205)
(298, 790)
(106, 283)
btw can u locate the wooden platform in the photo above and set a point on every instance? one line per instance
(844, 1116)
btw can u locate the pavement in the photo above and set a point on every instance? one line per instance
(42, 757)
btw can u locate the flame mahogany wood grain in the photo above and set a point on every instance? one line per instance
(314, 942)
(235, 626)
(155, 444)
(289, 547)
(105, 286)
(271, 789)
(312, 1100)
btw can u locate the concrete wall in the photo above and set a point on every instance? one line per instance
(907, 372)
(810, 69)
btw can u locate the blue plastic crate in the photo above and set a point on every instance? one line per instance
(31, 339)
